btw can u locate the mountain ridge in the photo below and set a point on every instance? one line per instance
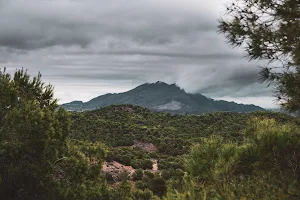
(162, 97)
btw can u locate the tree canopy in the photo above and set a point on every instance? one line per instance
(269, 30)
(37, 158)
(32, 136)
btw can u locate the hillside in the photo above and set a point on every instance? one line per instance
(144, 142)
(162, 97)
(122, 125)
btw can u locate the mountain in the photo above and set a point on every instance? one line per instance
(162, 97)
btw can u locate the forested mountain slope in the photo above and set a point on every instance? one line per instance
(173, 136)
(121, 125)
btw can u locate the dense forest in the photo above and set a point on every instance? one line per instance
(129, 152)
(225, 153)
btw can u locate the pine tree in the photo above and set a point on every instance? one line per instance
(269, 30)
(33, 135)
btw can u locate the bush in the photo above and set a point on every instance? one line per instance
(263, 166)
(140, 185)
(138, 175)
(158, 186)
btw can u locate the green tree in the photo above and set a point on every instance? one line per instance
(32, 137)
(78, 174)
(143, 195)
(269, 30)
(122, 191)
(140, 185)
(262, 166)
(124, 176)
(158, 186)
(37, 158)
(138, 175)
(146, 164)
(148, 176)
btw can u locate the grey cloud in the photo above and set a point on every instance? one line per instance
(49, 23)
(240, 82)
(216, 56)
(84, 44)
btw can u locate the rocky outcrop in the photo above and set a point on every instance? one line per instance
(147, 147)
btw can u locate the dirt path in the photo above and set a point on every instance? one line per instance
(154, 165)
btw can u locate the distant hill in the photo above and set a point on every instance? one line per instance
(162, 97)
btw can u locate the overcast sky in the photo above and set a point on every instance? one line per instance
(86, 48)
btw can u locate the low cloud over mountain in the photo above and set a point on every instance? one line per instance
(87, 48)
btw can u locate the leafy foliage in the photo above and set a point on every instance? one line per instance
(174, 135)
(37, 159)
(48, 153)
(132, 157)
(32, 136)
(269, 30)
(263, 166)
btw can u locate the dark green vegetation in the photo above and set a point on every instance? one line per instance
(172, 134)
(235, 151)
(269, 30)
(263, 165)
(48, 153)
(162, 97)
(38, 159)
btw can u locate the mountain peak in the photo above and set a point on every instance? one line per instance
(163, 97)
(161, 85)
(164, 83)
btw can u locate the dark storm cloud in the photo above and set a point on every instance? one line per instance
(46, 23)
(99, 46)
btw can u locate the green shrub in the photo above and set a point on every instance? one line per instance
(263, 166)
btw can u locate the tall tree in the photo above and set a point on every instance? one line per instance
(269, 30)
(37, 158)
(32, 137)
